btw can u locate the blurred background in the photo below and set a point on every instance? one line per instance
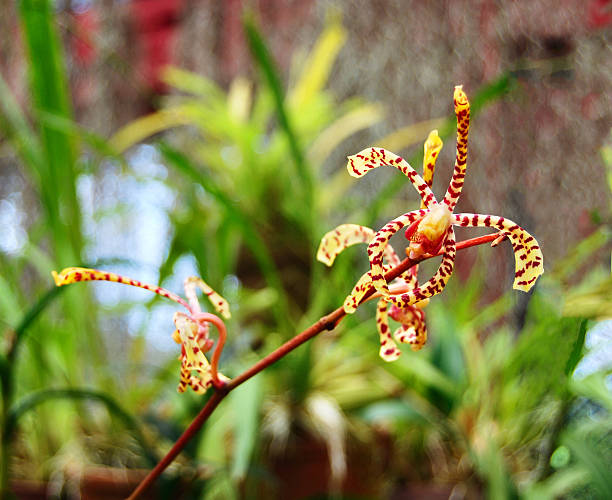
(166, 138)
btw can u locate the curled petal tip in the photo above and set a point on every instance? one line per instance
(389, 354)
(351, 166)
(219, 303)
(68, 275)
(56, 278)
(433, 141)
(340, 238)
(460, 98)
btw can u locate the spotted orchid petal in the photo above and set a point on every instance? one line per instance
(388, 348)
(528, 259)
(76, 274)
(376, 248)
(462, 111)
(412, 329)
(352, 301)
(192, 356)
(431, 149)
(345, 235)
(406, 280)
(219, 303)
(408, 334)
(370, 158)
(437, 282)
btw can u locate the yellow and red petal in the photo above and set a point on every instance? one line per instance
(184, 379)
(219, 303)
(409, 334)
(431, 150)
(370, 158)
(388, 348)
(359, 290)
(376, 249)
(195, 368)
(71, 275)
(345, 235)
(528, 258)
(462, 110)
(437, 282)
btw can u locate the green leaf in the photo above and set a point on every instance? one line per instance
(15, 126)
(576, 353)
(599, 470)
(318, 66)
(391, 410)
(246, 401)
(251, 238)
(33, 400)
(9, 305)
(49, 92)
(142, 128)
(264, 60)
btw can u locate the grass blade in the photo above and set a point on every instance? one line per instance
(264, 60)
(49, 91)
(31, 401)
(251, 238)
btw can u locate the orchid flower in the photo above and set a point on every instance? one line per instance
(431, 228)
(412, 329)
(192, 330)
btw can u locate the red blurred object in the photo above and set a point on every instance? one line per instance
(599, 13)
(156, 23)
(83, 44)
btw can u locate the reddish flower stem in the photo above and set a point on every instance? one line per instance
(327, 322)
(180, 443)
(214, 362)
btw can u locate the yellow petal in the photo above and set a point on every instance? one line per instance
(528, 258)
(377, 247)
(431, 149)
(437, 282)
(388, 348)
(462, 111)
(345, 235)
(370, 158)
(76, 274)
(219, 303)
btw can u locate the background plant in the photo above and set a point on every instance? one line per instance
(271, 254)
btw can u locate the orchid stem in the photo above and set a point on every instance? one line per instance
(327, 322)
(214, 362)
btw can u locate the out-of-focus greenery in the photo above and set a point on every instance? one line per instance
(485, 407)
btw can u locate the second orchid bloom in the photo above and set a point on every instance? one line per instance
(192, 329)
(429, 230)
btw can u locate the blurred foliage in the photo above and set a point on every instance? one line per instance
(484, 407)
